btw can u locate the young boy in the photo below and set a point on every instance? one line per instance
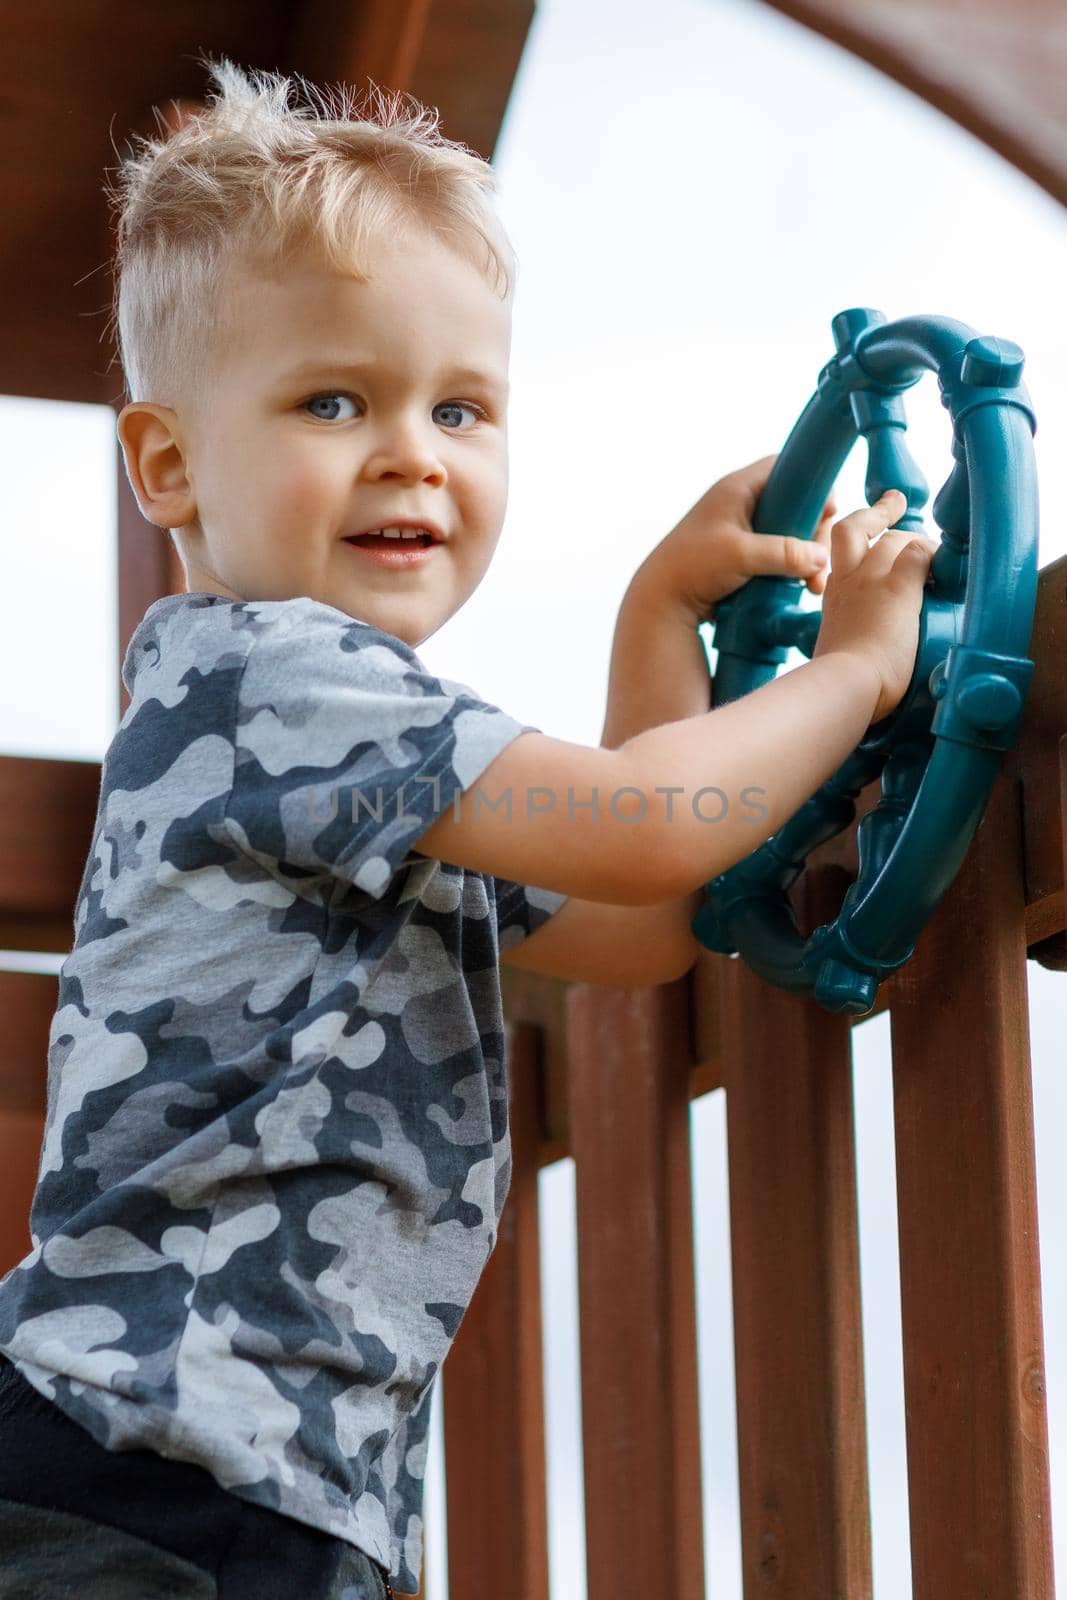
(277, 1145)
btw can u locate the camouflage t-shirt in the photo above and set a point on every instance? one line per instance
(277, 1144)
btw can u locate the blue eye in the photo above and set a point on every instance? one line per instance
(325, 409)
(460, 405)
(329, 400)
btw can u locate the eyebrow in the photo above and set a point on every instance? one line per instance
(357, 369)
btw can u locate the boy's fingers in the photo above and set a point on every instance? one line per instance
(893, 547)
(817, 581)
(887, 509)
(924, 548)
(850, 539)
(852, 535)
(821, 536)
(781, 553)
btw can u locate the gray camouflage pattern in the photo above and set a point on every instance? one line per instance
(276, 1149)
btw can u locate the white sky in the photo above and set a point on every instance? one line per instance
(694, 190)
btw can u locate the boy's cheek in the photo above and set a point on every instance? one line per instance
(288, 495)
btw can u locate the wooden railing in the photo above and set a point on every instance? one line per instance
(606, 1076)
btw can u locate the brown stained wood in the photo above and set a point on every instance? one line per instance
(21, 1133)
(1035, 759)
(17, 932)
(805, 1528)
(705, 1022)
(974, 1374)
(629, 1116)
(77, 80)
(47, 809)
(1057, 959)
(1051, 953)
(74, 80)
(995, 68)
(531, 998)
(379, 40)
(493, 1386)
(27, 1003)
(460, 56)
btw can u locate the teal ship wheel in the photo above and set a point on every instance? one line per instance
(938, 752)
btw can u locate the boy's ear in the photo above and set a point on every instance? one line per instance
(150, 436)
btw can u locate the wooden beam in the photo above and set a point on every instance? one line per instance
(74, 81)
(997, 69)
(460, 56)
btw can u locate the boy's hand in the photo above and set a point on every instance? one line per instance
(713, 550)
(875, 597)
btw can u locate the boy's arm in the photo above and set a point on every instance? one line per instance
(779, 743)
(629, 826)
(659, 673)
(608, 825)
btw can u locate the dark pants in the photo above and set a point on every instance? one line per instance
(79, 1520)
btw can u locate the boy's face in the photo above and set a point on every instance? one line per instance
(398, 412)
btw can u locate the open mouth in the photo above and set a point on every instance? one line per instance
(380, 541)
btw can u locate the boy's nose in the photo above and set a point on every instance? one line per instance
(405, 452)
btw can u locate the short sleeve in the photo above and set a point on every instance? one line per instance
(347, 749)
(521, 909)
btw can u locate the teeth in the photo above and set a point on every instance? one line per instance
(403, 533)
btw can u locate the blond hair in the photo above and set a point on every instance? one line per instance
(252, 180)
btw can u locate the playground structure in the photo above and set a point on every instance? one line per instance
(606, 1076)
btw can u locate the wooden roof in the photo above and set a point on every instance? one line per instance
(77, 80)
(997, 67)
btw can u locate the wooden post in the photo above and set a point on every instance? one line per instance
(974, 1371)
(630, 1060)
(787, 1068)
(493, 1399)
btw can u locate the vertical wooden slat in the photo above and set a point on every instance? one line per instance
(493, 1396)
(27, 1001)
(47, 808)
(21, 1133)
(805, 1524)
(46, 817)
(630, 1057)
(974, 1373)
